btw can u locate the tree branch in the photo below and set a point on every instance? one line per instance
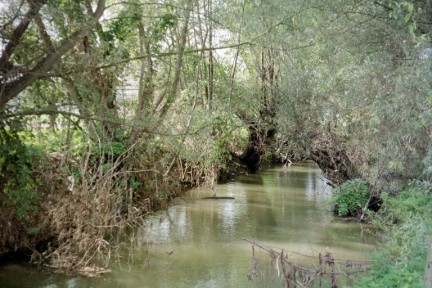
(11, 89)
(19, 31)
(165, 54)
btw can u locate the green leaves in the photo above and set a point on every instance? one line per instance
(407, 225)
(168, 20)
(409, 15)
(402, 10)
(351, 197)
(121, 29)
(110, 149)
(386, 273)
(17, 183)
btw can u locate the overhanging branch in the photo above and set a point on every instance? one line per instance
(193, 51)
(67, 114)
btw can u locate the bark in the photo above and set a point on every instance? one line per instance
(252, 156)
(203, 33)
(11, 89)
(262, 131)
(236, 57)
(173, 53)
(43, 34)
(103, 80)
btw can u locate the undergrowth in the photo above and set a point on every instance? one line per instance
(17, 183)
(20, 196)
(406, 221)
(350, 197)
(69, 207)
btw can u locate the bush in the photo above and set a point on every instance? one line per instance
(386, 272)
(407, 225)
(350, 197)
(17, 184)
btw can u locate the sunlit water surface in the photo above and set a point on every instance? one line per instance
(199, 242)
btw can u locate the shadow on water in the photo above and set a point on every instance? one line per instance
(198, 242)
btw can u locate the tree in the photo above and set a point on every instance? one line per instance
(15, 77)
(186, 89)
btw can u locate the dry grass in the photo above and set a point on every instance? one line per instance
(76, 221)
(82, 225)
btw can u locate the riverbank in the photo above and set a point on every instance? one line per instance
(80, 206)
(182, 246)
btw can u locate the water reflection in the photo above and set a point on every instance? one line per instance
(198, 242)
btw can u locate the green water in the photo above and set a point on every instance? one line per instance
(198, 242)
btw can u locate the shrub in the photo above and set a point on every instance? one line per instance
(386, 272)
(407, 225)
(351, 196)
(17, 184)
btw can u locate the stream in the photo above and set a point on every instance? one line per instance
(199, 242)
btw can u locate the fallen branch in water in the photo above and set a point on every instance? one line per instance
(325, 274)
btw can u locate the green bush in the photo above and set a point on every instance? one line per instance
(110, 149)
(17, 184)
(351, 196)
(406, 221)
(386, 272)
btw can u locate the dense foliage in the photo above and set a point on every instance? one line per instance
(407, 226)
(351, 197)
(17, 182)
(131, 101)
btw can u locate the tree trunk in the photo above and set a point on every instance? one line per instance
(10, 90)
(262, 132)
(259, 140)
(172, 92)
(5, 65)
(210, 56)
(334, 162)
(145, 91)
(252, 156)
